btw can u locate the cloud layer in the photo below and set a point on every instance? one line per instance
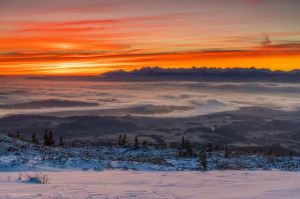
(159, 99)
(51, 103)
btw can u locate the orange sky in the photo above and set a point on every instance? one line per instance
(93, 36)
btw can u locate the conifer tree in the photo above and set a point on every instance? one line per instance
(217, 147)
(33, 139)
(136, 143)
(203, 160)
(226, 155)
(270, 152)
(18, 135)
(46, 139)
(145, 143)
(290, 154)
(124, 140)
(183, 142)
(190, 151)
(209, 148)
(185, 148)
(61, 141)
(120, 140)
(51, 141)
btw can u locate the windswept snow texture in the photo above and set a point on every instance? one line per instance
(134, 184)
(114, 172)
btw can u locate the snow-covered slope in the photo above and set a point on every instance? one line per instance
(136, 184)
(16, 155)
(114, 172)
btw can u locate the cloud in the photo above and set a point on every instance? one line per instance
(139, 109)
(181, 96)
(283, 49)
(4, 92)
(109, 100)
(154, 109)
(209, 103)
(51, 103)
(249, 87)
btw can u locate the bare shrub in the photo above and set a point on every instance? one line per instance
(37, 178)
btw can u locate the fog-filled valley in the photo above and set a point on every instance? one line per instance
(242, 114)
(154, 99)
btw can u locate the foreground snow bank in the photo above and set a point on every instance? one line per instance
(136, 184)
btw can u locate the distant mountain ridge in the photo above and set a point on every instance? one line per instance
(201, 74)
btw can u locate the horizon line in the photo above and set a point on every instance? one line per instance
(150, 67)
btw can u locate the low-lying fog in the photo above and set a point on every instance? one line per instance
(163, 99)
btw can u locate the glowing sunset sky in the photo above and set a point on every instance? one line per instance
(94, 36)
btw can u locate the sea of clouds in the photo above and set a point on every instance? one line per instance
(160, 99)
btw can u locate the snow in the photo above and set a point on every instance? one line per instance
(141, 184)
(116, 172)
(16, 155)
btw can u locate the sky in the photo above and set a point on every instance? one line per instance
(90, 37)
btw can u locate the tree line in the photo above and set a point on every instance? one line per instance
(48, 138)
(184, 149)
